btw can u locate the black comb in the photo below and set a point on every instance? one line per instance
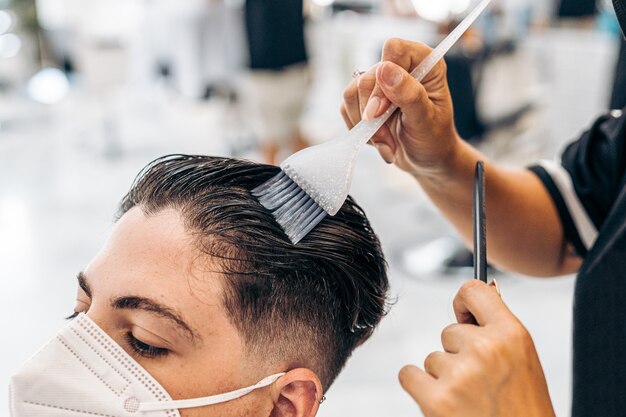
(480, 226)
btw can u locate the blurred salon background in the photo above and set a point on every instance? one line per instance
(92, 90)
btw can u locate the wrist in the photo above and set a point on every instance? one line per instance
(445, 167)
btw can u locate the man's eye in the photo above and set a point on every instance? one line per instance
(81, 307)
(144, 349)
(73, 315)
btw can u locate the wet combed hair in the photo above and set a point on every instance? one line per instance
(312, 303)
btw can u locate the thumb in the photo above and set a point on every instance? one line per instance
(395, 85)
(479, 301)
(417, 383)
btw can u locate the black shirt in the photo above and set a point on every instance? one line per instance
(275, 30)
(588, 187)
(577, 8)
(618, 98)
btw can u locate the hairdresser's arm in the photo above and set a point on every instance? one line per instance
(524, 230)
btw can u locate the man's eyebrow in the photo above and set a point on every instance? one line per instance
(82, 283)
(145, 304)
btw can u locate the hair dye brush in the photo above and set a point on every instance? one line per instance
(315, 182)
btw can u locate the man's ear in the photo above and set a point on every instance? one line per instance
(298, 393)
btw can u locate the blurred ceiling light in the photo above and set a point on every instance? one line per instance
(48, 86)
(10, 45)
(459, 6)
(440, 10)
(6, 21)
(60, 14)
(323, 3)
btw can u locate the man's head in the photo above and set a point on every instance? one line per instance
(201, 285)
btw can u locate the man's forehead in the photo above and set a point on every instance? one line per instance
(163, 231)
(153, 255)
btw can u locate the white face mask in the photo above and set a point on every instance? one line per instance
(83, 372)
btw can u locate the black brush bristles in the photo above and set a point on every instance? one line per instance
(294, 210)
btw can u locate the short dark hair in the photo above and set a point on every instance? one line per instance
(312, 303)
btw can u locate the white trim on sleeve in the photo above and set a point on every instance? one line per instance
(585, 227)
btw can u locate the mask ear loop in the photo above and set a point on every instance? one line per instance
(204, 401)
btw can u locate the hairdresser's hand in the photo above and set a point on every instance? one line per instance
(422, 137)
(489, 369)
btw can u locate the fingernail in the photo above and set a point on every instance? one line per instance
(371, 109)
(494, 284)
(390, 75)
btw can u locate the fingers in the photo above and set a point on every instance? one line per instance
(454, 337)
(405, 53)
(384, 141)
(477, 300)
(403, 90)
(394, 82)
(435, 363)
(417, 383)
(346, 118)
(356, 96)
(365, 84)
(351, 103)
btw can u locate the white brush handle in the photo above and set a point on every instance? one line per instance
(365, 130)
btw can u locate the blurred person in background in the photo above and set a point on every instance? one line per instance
(279, 75)
(582, 12)
(552, 219)
(192, 45)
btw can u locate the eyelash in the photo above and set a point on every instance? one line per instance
(144, 349)
(73, 315)
(137, 346)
